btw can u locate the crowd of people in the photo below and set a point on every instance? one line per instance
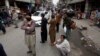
(93, 15)
(62, 44)
(7, 19)
(54, 22)
(10, 17)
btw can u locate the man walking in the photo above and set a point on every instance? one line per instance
(30, 37)
(67, 23)
(43, 29)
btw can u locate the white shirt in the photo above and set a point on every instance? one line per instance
(15, 16)
(70, 10)
(65, 46)
(49, 15)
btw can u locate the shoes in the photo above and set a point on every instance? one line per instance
(29, 52)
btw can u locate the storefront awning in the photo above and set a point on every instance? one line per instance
(75, 1)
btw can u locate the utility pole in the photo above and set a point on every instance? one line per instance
(86, 6)
(7, 3)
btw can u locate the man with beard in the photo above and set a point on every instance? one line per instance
(30, 37)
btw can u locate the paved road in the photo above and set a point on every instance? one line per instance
(75, 39)
(14, 45)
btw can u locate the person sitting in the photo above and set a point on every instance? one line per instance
(63, 46)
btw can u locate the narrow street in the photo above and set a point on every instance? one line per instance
(14, 45)
(82, 16)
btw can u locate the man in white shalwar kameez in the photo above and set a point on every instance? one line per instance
(63, 46)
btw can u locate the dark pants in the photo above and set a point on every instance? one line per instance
(3, 29)
(44, 36)
(57, 27)
(7, 22)
(2, 52)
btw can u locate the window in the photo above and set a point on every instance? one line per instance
(36, 13)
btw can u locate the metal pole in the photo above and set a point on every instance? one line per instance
(86, 6)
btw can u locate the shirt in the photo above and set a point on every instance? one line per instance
(15, 16)
(64, 46)
(98, 15)
(30, 25)
(44, 24)
(67, 22)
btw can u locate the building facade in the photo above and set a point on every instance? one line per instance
(84, 5)
(77, 4)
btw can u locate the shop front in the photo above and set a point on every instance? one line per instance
(95, 4)
(77, 4)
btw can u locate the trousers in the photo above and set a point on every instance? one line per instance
(30, 40)
(57, 27)
(44, 36)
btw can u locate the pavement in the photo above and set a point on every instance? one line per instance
(13, 42)
(92, 34)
